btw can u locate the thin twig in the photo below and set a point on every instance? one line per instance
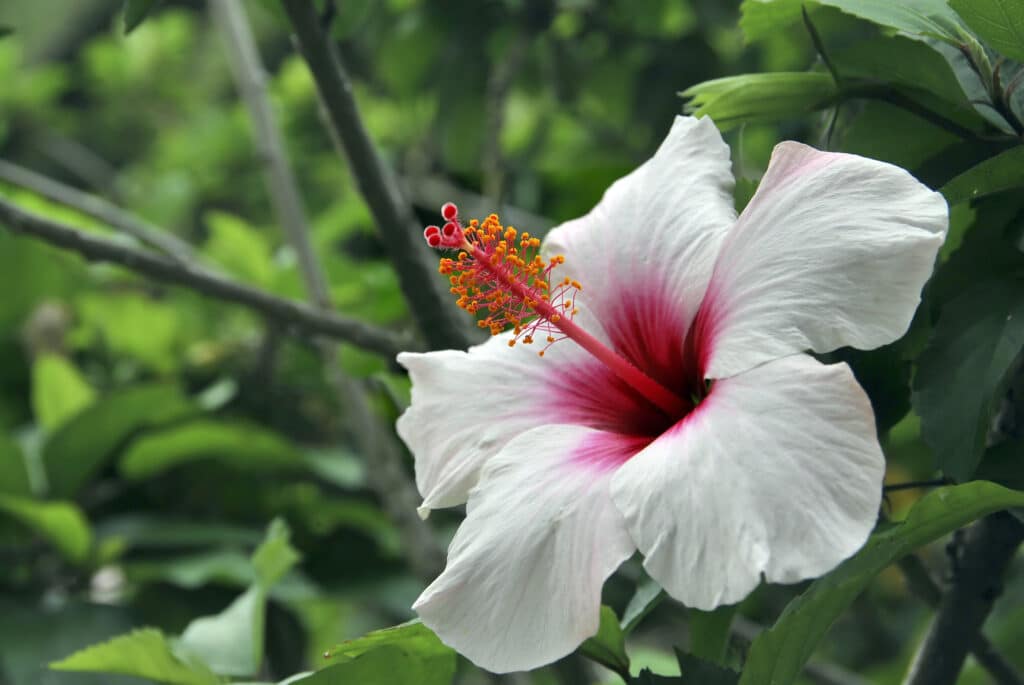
(164, 269)
(438, 321)
(385, 468)
(99, 209)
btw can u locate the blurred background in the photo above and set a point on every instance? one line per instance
(149, 434)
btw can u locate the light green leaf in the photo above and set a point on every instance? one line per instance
(709, 633)
(648, 595)
(1003, 172)
(144, 653)
(275, 556)
(735, 100)
(961, 374)
(136, 11)
(779, 653)
(58, 390)
(231, 642)
(240, 248)
(408, 654)
(239, 445)
(1000, 23)
(88, 442)
(608, 647)
(62, 523)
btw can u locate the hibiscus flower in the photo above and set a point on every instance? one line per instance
(675, 410)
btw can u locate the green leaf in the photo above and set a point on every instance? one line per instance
(144, 653)
(648, 595)
(735, 100)
(414, 653)
(84, 445)
(136, 11)
(961, 374)
(5, 31)
(387, 665)
(275, 556)
(779, 653)
(240, 445)
(240, 248)
(14, 478)
(916, 18)
(231, 642)
(1003, 172)
(58, 390)
(62, 523)
(998, 22)
(694, 670)
(709, 633)
(608, 647)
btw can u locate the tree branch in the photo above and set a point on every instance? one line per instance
(921, 584)
(166, 270)
(438, 321)
(988, 548)
(385, 470)
(99, 209)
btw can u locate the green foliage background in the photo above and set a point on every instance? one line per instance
(178, 492)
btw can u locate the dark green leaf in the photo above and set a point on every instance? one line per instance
(240, 445)
(1003, 172)
(998, 22)
(961, 374)
(608, 647)
(779, 653)
(648, 677)
(918, 18)
(86, 443)
(136, 11)
(694, 670)
(144, 653)
(709, 633)
(735, 100)
(5, 31)
(13, 473)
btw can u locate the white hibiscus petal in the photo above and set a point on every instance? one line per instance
(523, 583)
(655, 234)
(467, 405)
(833, 250)
(777, 472)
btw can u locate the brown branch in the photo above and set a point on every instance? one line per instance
(164, 269)
(99, 209)
(377, 444)
(980, 562)
(438, 321)
(924, 587)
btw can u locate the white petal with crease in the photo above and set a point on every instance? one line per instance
(466, 405)
(523, 583)
(657, 229)
(777, 472)
(833, 250)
